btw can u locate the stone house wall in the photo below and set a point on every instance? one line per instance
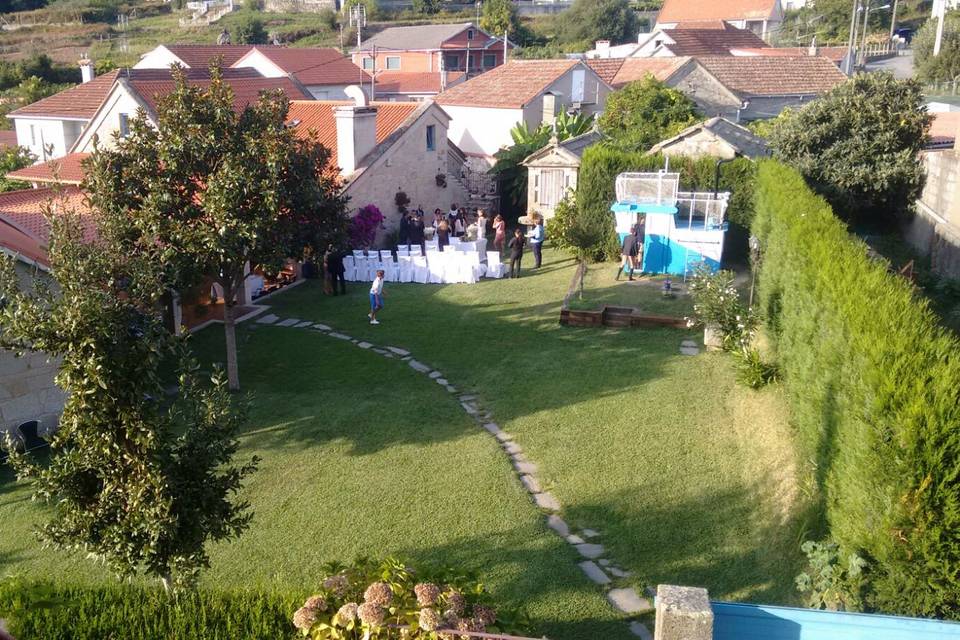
(935, 228)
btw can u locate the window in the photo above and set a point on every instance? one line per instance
(367, 64)
(393, 62)
(124, 125)
(551, 187)
(451, 62)
(469, 34)
(489, 60)
(321, 95)
(431, 137)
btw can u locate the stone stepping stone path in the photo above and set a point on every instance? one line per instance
(689, 348)
(597, 568)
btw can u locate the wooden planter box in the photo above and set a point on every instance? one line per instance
(618, 317)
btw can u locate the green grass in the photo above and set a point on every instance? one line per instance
(688, 477)
(600, 288)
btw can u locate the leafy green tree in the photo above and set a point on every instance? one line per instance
(510, 172)
(428, 7)
(859, 146)
(137, 483)
(250, 30)
(645, 112)
(946, 66)
(11, 159)
(219, 190)
(590, 20)
(579, 234)
(501, 16)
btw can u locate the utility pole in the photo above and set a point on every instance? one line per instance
(893, 19)
(939, 9)
(373, 76)
(848, 63)
(505, 32)
(479, 4)
(863, 38)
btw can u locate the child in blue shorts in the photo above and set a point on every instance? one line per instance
(376, 297)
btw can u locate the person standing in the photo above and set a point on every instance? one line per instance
(443, 234)
(376, 297)
(499, 233)
(327, 273)
(641, 235)
(405, 228)
(481, 224)
(628, 253)
(452, 215)
(416, 232)
(536, 240)
(516, 252)
(337, 271)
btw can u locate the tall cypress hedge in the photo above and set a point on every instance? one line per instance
(601, 164)
(874, 387)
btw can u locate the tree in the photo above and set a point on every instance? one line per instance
(590, 20)
(858, 146)
(219, 190)
(510, 172)
(645, 112)
(250, 31)
(501, 16)
(579, 233)
(11, 159)
(946, 66)
(428, 7)
(135, 482)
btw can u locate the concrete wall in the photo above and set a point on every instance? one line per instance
(409, 167)
(159, 58)
(701, 143)
(935, 229)
(27, 389)
(47, 138)
(107, 121)
(482, 131)
(332, 91)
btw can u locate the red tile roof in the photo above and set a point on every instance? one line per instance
(509, 86)
(702, 24)
(774, 75)
(945, 125)
(315, 65)
(199, 56)
(834, 54)
(711, 42)
(316, 116)
(411, 81)
(700, 10)
(23, 225)
(618, 72)
(66, 170)
(8, 138)
(79, 102)
(247, 85)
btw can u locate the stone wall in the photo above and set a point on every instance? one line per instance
(299, 6)
(27, 391)
(935, 229)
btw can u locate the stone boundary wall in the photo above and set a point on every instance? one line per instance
(28, 392)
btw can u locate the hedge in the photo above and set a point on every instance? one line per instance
(601, 164)
(874, 389)
(42, 610)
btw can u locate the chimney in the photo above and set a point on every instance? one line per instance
(86, 69)
(549, 109)
(356, 130)
(603, 48)
(813, 49)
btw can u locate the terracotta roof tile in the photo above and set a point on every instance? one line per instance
(315, 65)
(247, 85)
(199, 56)
(774, 75)
(703, 24)
(711, 42)
(8, 138)
(509, 86)
(24, 210)
(700, 10)
(66, 170)
(16, 241)
(79, 102)
(317, 116)
(945, 125)
(834, 54)
(607, 68)
(634, 69)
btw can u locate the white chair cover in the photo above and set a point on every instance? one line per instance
(468, 272)
(421, 272)
(481, 245)
(358, 253)
(385, 255)
(477, 268)
(403, 250)
(495, 266)
(467, 246)
(349, 268)
(431, 245)
(417, 250)
(453, 270)
(436, 264)
(405, 268)
(391, 272)
(454, 242)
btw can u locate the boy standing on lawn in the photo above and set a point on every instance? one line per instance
(376, 297)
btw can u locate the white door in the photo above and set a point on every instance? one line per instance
(578, 81)
(551, 187)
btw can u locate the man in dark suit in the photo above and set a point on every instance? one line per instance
(335, 265)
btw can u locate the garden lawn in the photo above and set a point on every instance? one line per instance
(643, 293)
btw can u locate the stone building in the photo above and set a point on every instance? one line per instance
(715, 137)
(935, 228)
(553, 171)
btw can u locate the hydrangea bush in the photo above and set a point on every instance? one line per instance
(364, 226)
(392, 600)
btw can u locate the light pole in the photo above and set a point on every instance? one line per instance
(848, 62)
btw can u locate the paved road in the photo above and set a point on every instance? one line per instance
(901, 67)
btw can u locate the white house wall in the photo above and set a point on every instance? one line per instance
(331, 91)
(407, 166)
(482, 131)
(261, 63)
(107, 120)
(50, 138)
(159, 58)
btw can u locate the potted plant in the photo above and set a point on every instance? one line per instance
(726, 323)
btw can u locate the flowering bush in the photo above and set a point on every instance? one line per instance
(391, 600)
(716, 302)
(364, 226)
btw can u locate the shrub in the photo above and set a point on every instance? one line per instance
(946, 66)
(73, 612)
(364, 226)
(753, 371)
(391, 600)
(874, 388)
(833, 579)
(717, 302)
(645, 112)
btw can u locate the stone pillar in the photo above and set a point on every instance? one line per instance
(683, 613)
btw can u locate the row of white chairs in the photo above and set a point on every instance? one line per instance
(436, 267)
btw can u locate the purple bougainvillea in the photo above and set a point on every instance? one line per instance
(364, 225)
